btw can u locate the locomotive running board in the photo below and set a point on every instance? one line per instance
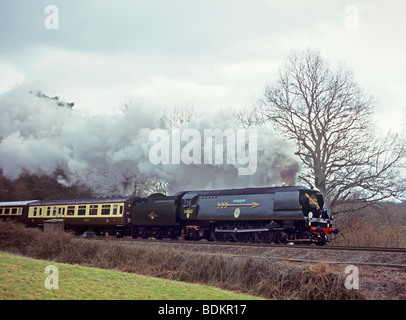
(240, 230)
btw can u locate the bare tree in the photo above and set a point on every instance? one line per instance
(131, 182)
(248, 117)
(147, 185)
(329, 117)
(174, 117)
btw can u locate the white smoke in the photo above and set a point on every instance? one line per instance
(109, 152)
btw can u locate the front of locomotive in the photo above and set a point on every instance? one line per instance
(317, 218)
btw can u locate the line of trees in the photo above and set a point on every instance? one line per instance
(30, 186)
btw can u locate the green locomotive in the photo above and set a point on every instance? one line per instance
(273, 214)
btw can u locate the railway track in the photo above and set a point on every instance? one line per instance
(271, 245)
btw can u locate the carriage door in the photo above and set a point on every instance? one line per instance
(60, 212)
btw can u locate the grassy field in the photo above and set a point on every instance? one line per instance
(24, 278)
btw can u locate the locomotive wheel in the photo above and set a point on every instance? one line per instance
(266, 237)
(244, 236)
(323, 240)
(134, 233)
(281, 237)
(211, 234)
(160, 234)
(257, 237)
(146, 233)
(221, 236)
(174, 234)
(231, 236)
(306, 235)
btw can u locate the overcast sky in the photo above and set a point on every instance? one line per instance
(206, 54)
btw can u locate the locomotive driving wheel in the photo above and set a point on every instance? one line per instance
(244, 236)
(221, 236)
(266, 237)
(281, 237)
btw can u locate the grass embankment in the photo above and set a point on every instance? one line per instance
(24, 278)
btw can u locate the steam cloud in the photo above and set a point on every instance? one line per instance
(109, 152)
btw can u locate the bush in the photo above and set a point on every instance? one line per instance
(376, 226)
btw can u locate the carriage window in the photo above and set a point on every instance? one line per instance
(14, 211)
(35, 212)
(48, 211)
(20, 210)
(71, 210)
(105, 209)
(93, 209)
(7, 211)
(1, 210)
(115, 208)
(81, 210)
(54, 211)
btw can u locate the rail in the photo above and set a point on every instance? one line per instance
(271, 245)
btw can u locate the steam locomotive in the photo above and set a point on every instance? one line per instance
(263, 215)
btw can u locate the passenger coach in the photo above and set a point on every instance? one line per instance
(14, 210)
(102, 215)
